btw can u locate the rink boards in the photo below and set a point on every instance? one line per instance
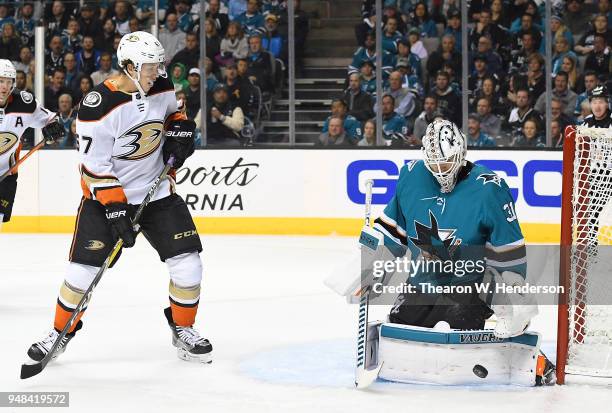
(302, 192)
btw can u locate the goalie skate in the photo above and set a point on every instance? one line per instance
(189, 345)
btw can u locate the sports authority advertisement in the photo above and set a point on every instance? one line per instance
(290, 191)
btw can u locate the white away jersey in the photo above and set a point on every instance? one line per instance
(120, 141)
(21, 112)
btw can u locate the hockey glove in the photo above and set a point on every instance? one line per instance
(53, 131)
(119, 217)
(180, 141)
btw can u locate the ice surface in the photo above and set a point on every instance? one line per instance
(282, 341)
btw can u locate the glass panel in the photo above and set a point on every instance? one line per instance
(334, 59)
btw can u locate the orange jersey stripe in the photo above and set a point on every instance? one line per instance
(111, 195)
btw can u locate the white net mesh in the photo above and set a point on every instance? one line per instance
(590, 293)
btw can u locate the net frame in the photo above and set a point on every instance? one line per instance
(584, 150)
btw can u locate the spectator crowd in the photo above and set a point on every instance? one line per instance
(246, 53)
(422, 70)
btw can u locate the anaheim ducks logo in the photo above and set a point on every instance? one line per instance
(95, 245)
(144, 139)
(132, 38)
(7, 141)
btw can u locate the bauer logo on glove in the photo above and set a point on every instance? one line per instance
(179, 141)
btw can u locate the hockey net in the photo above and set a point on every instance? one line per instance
(584, 345)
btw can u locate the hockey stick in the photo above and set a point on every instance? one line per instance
(20, 161)
(363, 377)
(29, 370)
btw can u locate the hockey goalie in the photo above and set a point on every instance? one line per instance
(447, 210)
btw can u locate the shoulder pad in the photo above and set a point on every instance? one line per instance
(23, 102)
(162, 84)
(100, 102)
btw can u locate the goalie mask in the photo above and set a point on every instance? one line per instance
(444, 150)
(140, 48)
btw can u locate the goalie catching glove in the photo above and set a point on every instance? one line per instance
(513, 310)
(180, 141)
(119, 216)
(53, 131)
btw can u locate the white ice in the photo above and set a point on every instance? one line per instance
(282, 341)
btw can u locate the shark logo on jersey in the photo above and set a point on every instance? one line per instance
(490, 178)
(433, 241)
(144, 139)
(7, 141)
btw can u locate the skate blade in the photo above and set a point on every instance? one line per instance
(193, 358)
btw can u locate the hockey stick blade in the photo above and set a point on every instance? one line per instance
(29, 370)
(364, 378)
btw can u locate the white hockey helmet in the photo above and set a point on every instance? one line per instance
(444, 150)
(7, 69)
(140, 48)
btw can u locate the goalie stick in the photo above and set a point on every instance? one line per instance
(363, 377)
(29, 370)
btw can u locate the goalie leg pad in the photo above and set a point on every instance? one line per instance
(459, 357)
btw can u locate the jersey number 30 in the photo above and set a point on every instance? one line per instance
(509, 208)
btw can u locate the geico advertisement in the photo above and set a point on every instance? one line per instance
(534, 178)
(295, 183)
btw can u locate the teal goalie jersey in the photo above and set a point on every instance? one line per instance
(453, 236)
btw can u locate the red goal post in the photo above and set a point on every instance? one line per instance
(584, 333)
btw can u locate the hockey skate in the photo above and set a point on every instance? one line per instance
(189, 345)
(39, 350)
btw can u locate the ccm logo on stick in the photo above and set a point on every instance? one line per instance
(385, 173)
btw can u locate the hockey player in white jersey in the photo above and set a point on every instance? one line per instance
(18, 111)
(123, 148)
